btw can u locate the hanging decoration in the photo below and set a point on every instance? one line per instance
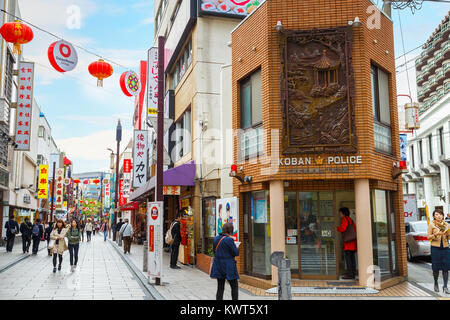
(17, 33)
(76, 181)
(62, 56)
(130, 83)
(96, 181)
(86, 181)
(101, 70)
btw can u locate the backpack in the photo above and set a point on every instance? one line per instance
(168, 238)
(35, 230)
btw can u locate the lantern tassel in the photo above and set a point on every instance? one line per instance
(16, 49)
(100, 82)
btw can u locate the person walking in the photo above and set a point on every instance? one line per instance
(126, 231)
(25, 230)
(82, 227)
(88, 230)
(12, 228)
(224, 263)
(59, 244)
(105, 229)
(48, 231)
(37, 232)
(119, 225)
(176, 236)
(348, 230)
(438, 233)
(94, 227)
(74, 237)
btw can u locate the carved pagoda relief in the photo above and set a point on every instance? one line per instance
(317, 96)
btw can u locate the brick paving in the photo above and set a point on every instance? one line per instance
(101, 274)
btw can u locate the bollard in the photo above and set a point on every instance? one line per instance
(284, 274)
(145, 262)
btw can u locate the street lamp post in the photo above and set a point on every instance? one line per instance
(116, 188)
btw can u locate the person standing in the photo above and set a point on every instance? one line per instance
(59, 245)
(82, 227)
(126, 231)
(36, 233)
(176, 236)
(348, 230)
(438, 233)
(12, 228)
(105, 229)
(48, 231)
(119, 225)
(94, 227)
(74, 237)
(224, 264)
(25, 230)
(88, 230)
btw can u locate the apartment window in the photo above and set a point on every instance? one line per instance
(412, 156)
(40, 159)
(430, 146)
(441, 140)
(420, 152)
(41, 132)
(181, 65)
(9, 75)
(183, 135)
(381, 110)
(251, 116)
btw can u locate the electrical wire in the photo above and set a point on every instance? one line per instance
(403, 44)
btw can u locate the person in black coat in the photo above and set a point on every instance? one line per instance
(37, 232)
(224, 265)
(176, 236)
(48, 231)
(25, 230)
(12, 228)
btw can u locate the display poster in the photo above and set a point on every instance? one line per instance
(260, 210)
(155, 215)
(227, 210)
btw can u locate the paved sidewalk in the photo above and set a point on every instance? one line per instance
(9, 258)
(101, 274)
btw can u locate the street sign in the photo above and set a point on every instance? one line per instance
(155, 238)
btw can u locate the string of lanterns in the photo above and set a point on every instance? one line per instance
(63, 57)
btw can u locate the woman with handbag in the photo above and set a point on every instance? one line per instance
(438, 233)
(74, 237)
(57, 243)
(224, 265)
(348, 230)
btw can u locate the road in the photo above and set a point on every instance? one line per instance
(420, 272)
(101, 274)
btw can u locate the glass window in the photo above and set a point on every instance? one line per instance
(412, 156)
(209, 223)
(430, 147)
(41, 132)
(260, 233)
(246, 101)
(290, 219)
(441, 141)
(420, 152)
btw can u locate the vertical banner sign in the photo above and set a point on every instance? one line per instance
(59, 189)
(155, 237)
(140, 153)
(403, 148)
(152, 85)
(121, 198)
(227, 210)
(107, 191)
(43, 181)
(24, 106)
(126, 178)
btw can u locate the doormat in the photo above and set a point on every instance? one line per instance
(326, 290)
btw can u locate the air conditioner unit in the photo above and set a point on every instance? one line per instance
(4, 111)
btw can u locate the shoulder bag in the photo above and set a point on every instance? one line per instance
(212, 261)
(349, 234)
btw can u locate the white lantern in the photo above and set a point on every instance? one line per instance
(412, 116)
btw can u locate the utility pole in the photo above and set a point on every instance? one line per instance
(53, 191)
(116, 188)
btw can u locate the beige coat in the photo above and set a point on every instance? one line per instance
(62, 246)
(433, 231)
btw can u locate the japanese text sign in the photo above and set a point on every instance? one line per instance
(59, 187)
(43, 182)
(140, 155)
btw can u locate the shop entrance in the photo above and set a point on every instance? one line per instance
(312, 242)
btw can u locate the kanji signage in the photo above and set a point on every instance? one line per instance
(121, 198)
(152, 87)
(24, 106)
(43, 181)
(126, 190)
(107, 191)
(59, 187)
(140, 155)
(155, 238)
(171, 190)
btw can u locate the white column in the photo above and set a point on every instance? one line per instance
(364, 232)
(277, 232)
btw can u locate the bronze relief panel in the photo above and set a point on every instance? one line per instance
(317, 92)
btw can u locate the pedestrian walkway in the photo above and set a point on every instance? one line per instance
(9, 258)
(101, 274)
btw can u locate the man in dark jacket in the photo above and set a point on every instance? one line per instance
(37, 232)
(12, 228)
(48, 231)
(176, 236)
(25, 230)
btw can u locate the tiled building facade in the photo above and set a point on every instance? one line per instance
(292, 193)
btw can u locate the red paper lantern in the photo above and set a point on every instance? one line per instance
(86, 181)
(101, 70)
(96, 181)
(76, 181)
(18, 33)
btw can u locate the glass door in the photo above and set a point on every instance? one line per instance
(292, 232)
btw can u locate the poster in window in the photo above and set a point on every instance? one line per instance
(227, 210)
(260, 210)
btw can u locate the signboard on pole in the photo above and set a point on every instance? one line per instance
(43, 181)
(24, 106)
(155, 216)
(126, 178)
(152, 86)
(140, 153)
(410, 207)
(107, 190)
(59, 190)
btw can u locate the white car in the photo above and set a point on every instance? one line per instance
(417, 243)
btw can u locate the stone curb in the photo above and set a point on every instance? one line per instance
(141, 277)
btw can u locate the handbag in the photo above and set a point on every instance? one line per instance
(212, 261)
(349, 234)
(51, 244)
